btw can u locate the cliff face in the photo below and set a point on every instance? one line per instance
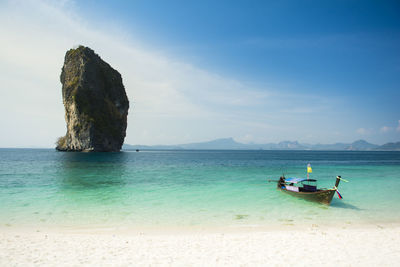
(96, 105)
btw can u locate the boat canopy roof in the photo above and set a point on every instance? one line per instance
(298, 180)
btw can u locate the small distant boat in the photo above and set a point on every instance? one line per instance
(307, 189)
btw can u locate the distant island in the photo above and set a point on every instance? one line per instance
(231, 144)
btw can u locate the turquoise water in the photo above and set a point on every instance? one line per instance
(191, 188)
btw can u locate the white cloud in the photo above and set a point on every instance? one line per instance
(363, 131)
(385, 129)
(398, 127)
(174, 99)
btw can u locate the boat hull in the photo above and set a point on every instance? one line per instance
(320, 196)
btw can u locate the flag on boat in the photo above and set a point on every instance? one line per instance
(309, 170)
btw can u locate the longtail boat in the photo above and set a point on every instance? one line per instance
(307, 189)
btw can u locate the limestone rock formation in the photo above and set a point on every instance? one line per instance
(96, 105)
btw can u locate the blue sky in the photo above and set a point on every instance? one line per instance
(311, 41)
(258, 71)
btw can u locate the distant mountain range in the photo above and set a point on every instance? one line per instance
(230, 144)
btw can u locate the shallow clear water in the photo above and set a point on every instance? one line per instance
(191, 188)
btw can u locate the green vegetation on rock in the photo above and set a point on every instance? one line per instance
(61, 142)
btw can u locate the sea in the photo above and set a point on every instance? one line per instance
(192, 189)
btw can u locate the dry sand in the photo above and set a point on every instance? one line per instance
(373, 245)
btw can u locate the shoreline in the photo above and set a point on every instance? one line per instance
(319, 245)
(284, 225)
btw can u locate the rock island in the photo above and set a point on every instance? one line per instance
(96, 105)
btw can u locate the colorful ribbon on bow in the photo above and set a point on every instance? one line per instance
(338, 193)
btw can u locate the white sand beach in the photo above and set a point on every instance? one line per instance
(371, 245)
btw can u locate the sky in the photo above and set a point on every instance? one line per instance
(257, 71)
